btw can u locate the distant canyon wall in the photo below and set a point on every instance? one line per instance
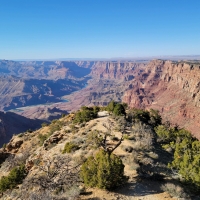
(39, 82)
(117, 70)
(171, 87)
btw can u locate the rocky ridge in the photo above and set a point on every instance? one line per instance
(27, 148)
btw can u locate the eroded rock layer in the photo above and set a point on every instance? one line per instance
(171, 87)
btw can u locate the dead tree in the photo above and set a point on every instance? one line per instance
(104, 141)
(56, 173)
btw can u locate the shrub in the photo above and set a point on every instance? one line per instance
(186, 161)
(155, 118)
(94, 138)
(4, 146)
(55, 125)
(85, 114)
(103, 171)
(110, 107)
(15, 177)
(119, 110)
(164, 133)
(54, 121)
(128, 149)
(125, 137)
(136, 115)
(72, 127)
(44, 124)
(42, 138)
(67, 131)
(186, 151)
(70, 147)
(21, 135)
(63, 115)
(151, 117)
(174, 190)
(82, 125)
(116, 108)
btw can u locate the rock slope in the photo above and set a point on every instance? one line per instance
(30, 149)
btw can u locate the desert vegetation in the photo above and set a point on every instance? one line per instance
(85, 114)
(185, 150)
(15, 177)
(81, 151)
(104, 170)
(116, 109)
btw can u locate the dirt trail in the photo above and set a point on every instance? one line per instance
(147, 190)
(134, 189)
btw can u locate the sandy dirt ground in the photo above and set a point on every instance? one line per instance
(134, 189)
(144, 190)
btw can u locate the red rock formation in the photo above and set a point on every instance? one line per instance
(116, 70)
(171, 87)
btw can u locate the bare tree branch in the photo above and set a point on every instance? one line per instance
(57, 172)
(109, 127)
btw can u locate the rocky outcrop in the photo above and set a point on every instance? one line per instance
(14, 145)
(53, 139)
(171, 87)
(3, 155)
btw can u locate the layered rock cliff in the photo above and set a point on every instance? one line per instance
(117, 70)
(171, 87)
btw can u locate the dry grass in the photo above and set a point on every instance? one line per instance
(175, 190)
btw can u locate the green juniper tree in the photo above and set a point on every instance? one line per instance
(103, 170)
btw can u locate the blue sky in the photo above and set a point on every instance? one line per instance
(50, 29)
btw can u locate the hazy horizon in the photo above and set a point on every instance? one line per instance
(167, 57)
